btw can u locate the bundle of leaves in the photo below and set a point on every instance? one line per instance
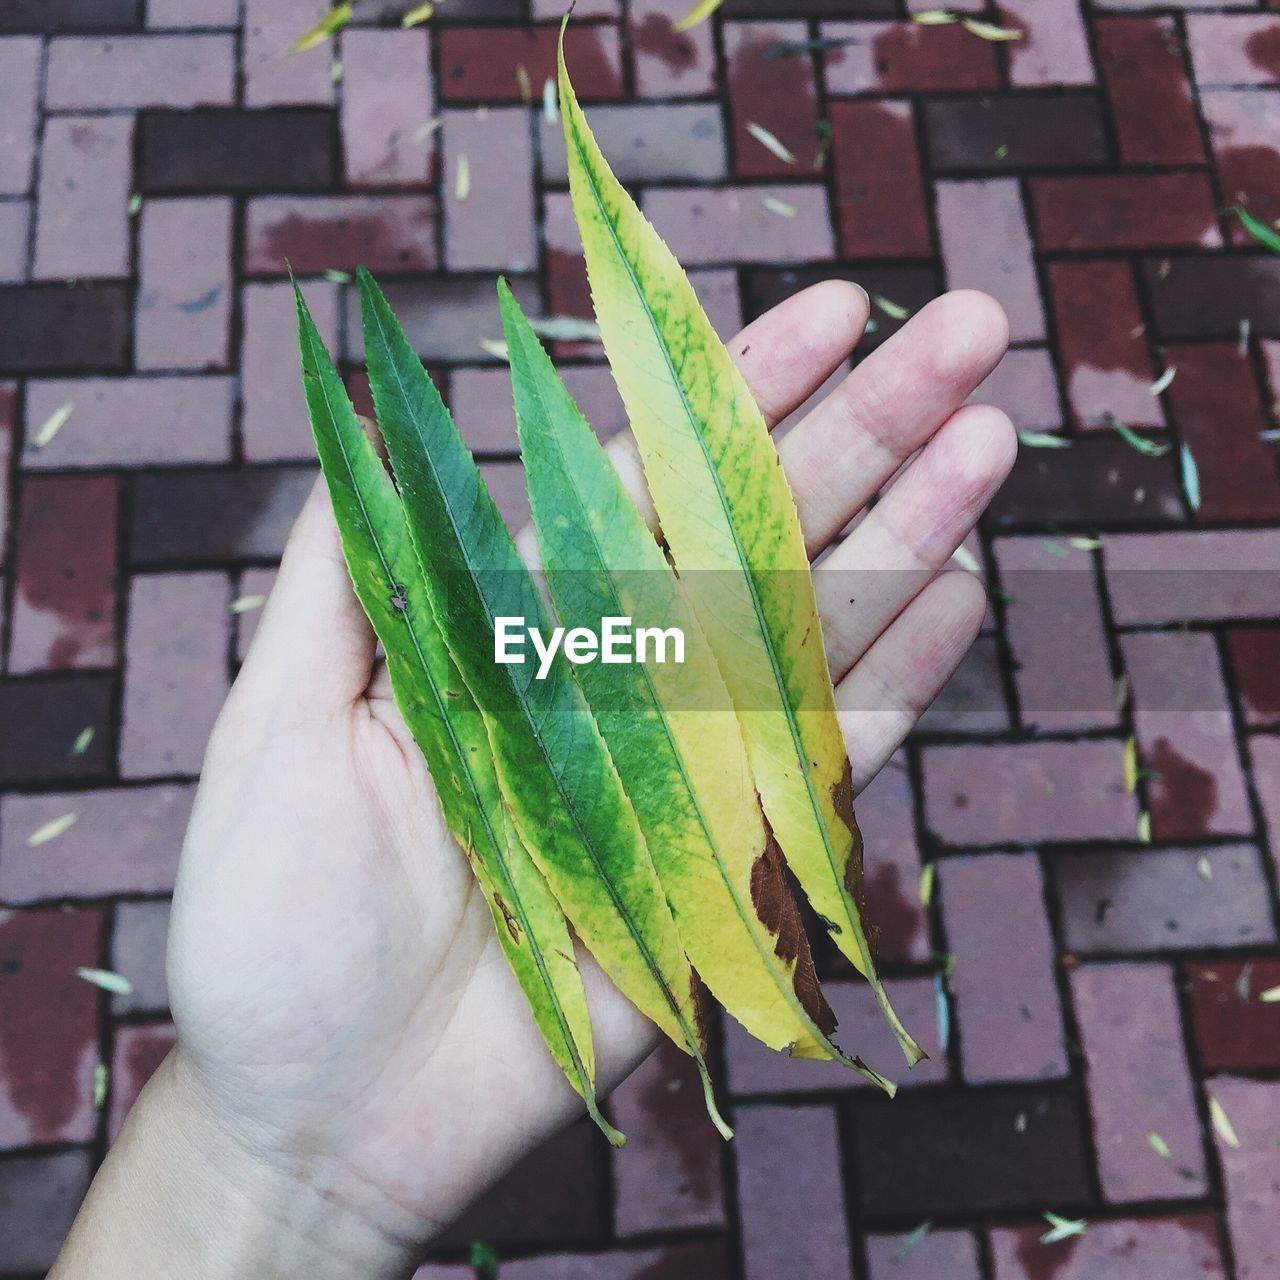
(654, 809)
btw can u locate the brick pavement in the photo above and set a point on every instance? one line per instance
(1107, 944)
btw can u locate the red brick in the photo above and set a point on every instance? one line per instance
(1214, 400)
(273, 74)
(779, 95)
(670, 64)
(137, 1052)
(39, 1198)
(1100, 338)
(1234, 48)
(314, 234)
(82, 218)
(64, 603)
(1137, 1249)
(386, 108)
(878, 219)
(953, 1254)
(1252, 652)
(1124, 211)
(1057, 636)
(94, 72)
(19, 99)
(478, 64)
(985, 245)
(705, 225)
(1251, 1172)
(1131, 1096)
(183, 311)
(1234, 1029)
(49, 1039)
(1160, 900)
(1184, 577)
(1185, 734)
(905, 57)
(1028, 793)
(176, 675)
(138, 943)
(1243, 128)
(131, 422)
(15, 217)
(667, 1177)
(793, 1225)
(123, 841)
(1146, 80)
(1025, 386)
(1006, 997)
(1054, 48)
(755, 1069)
(493, 227)
(274, 423)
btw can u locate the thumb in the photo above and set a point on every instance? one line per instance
(314, 648)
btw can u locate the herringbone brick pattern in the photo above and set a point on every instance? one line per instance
(1089, 968)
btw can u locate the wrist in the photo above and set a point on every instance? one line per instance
(180, 1193)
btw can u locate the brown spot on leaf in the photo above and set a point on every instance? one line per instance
(778, 911)
(854, 882)
(513, 925)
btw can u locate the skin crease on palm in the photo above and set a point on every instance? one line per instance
(356, 1061)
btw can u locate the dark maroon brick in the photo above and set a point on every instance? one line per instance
(1146, 81)
(1208, 297)
(39, 1198)
(53, 710)
(1252, 652)
(1234, 1029)
(1095, 481)
(1215, 403)
(984, 1149)
(212, 516)
(49, 1037)
(780, 95)
(878, 219)
(54, 327)
(1105, 361)
(909, 285)
(69, 15)
(1014, 131)
(1124, 211)
(231, 150)
(529, 1206)
(479, 63)
(64, 611)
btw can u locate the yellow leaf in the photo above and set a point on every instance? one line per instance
(246, 604)
(1130, 764)
(729, 518)
(1222, 1123)
(462, 179)
(894, 310)
(1144, 827)
(53, 424)
(699, 13)
(1270, 996)
(989, 31)
(935, 17)
(329, 25)
(51, 830)
(417, 15)
(927, 873)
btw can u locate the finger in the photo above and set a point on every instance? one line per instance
(785, 356)
(314, 646)
(911, 533)
(840, 455)
(904, 670)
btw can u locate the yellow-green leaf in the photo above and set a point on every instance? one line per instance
(989, 31)
(699, 13)
(1266, 236)
(935, 17)
(1222, 1123)
(53, 424)
(51, 830)
(444, 719)
(555, 773)
(417, 15)
(330, 24)
(669, 725)
(729, 518)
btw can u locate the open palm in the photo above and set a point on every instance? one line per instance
(339, 995)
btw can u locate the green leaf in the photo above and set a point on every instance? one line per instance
(700, 12)
(444, 719)
(556, 775)
(729, 518)
(328, 26)
(1149, 448)
(1267, 237)
(670, 726)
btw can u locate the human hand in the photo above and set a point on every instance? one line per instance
(356, 1062)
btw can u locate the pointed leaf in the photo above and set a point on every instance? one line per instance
(556, 775)
(729, 518)
(444, 719)
(670, 726)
